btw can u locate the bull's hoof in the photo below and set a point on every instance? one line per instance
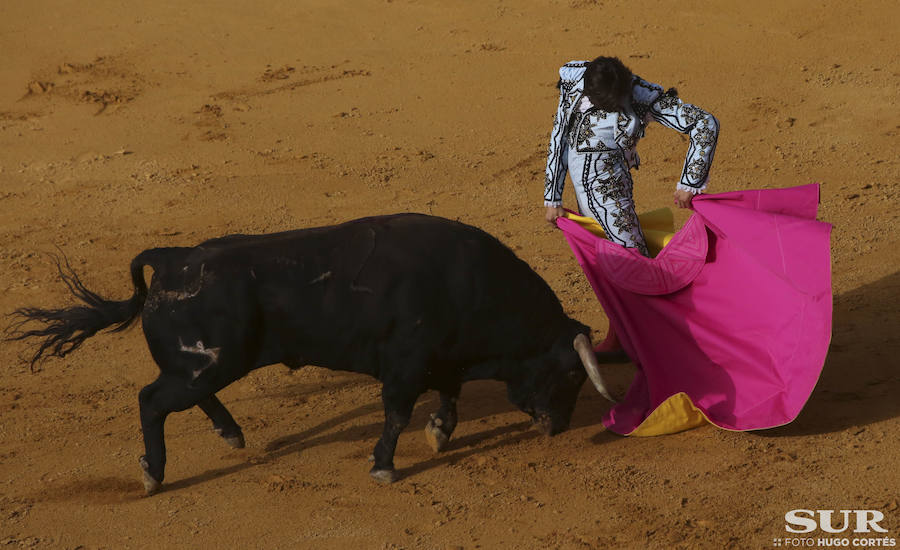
(150, 484)
(235, 441)
(543, 424)
(435, 436)
(384, 476)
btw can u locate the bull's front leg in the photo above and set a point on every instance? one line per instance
(398, 407)
(443, 422)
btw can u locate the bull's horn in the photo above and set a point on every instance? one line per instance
(589, 360)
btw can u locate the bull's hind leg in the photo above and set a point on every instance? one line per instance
(153, 418)
(223, 422)
(158, 400)
(443, 422)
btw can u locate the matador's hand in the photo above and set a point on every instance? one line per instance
(683, 198)
(554, 212)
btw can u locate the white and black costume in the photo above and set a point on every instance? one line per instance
(597, 148)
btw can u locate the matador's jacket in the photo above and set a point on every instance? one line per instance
(597, 148)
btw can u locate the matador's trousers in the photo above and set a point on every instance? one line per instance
(603, 187)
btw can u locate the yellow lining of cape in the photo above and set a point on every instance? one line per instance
(658, 227)
(675, 414)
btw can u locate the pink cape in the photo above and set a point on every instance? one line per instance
(734, 313)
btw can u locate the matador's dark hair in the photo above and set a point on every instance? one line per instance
(607, 83)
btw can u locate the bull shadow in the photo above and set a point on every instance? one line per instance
(860, 382)
(479, 400)
(470, 445)
(591, 406)
(283, 446)
(302, 388)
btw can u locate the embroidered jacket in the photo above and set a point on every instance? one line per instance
(580, 126)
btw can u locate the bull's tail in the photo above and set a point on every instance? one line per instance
(65, 329)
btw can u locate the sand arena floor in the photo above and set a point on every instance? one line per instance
(130, 125)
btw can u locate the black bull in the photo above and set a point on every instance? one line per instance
(418, 302)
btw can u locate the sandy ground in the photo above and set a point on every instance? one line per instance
(129, 125)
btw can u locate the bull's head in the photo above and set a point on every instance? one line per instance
(548, 392)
